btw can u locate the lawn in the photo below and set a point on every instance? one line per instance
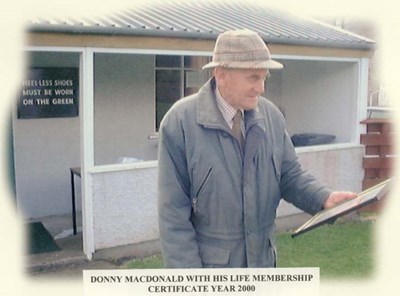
(340, 250)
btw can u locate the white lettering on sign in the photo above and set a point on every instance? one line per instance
(49, 92)
(31, 92)
(64, 92)
(63, 101)
(42, 101)
(30, 83)
(63, 83)
(27, 102)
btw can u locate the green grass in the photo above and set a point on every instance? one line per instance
(154, 261)
(340, 250)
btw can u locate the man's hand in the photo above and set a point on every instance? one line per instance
(337, 197)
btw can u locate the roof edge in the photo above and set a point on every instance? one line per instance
(115, 31)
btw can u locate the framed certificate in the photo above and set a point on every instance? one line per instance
(330, 215)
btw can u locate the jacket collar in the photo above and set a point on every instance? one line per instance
(209, 115)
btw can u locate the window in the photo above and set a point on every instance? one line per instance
(177, 77)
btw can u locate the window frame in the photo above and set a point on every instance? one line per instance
(182, 68)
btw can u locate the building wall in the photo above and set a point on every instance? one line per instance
(315, 96)
(124, 108)
(340, 167)
(321, 97)
(124, 207)
(46, 148)
(44, 151)
(124, 202)
(273, 88)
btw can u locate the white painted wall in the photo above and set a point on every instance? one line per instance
(339, 166)
(273, 87)
(44, 151)
(124, 202)
(320, 97)
(124, 207)
(323, 93)
(124, 107)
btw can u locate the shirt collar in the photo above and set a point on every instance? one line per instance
(227, 111)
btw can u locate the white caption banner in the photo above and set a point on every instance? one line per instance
(249, 281)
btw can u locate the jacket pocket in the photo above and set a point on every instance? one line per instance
(200, 189)
(213, 256)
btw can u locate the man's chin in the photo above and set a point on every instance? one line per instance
(252, 105)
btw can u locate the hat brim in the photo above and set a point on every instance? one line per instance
(269, 64)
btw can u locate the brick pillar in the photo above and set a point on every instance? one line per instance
(378, 162)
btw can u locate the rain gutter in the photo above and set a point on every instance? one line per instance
(212, 35)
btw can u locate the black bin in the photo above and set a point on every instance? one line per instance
(309, 139)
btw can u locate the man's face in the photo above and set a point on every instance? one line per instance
(241, 87)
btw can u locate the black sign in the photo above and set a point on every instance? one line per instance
(50, 92)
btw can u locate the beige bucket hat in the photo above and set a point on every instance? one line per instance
(243, 49)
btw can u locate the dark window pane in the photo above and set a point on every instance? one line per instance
(194, 79)
(166, 61)
(195, 62)
(168, 91)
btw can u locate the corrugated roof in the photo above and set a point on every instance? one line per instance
(206, 19)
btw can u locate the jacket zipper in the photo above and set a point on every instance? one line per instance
(195, 198)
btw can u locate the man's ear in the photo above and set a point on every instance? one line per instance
(219, 74)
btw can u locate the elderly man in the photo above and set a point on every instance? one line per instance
(225, 161)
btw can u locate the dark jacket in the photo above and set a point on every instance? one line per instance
(216, 207)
